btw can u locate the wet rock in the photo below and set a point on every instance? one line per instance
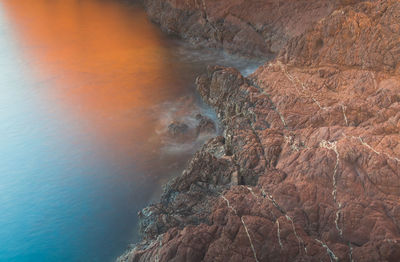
(189, 131)
(189, 198)
(178, 128)
(205, 125)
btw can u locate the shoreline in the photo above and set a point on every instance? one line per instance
(300, 167)
(243, 28)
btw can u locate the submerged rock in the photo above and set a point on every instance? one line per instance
(178, 128)
(185, 132)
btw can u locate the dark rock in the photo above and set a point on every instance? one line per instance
(178, 128)
(205, 126)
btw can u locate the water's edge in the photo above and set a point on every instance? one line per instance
(252, 63)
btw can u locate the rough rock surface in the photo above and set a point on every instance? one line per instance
(308, 167)
(177, 128)
(205, 126)
(247, 27)
(189, 130)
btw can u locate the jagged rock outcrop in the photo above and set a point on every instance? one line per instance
(308, 167)
(247, 27)
(364, 36)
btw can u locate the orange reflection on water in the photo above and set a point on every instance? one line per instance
(104, 61)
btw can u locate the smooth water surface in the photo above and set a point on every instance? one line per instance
(87, 88)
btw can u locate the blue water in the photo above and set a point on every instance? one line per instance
(85, 89)
(61, 197)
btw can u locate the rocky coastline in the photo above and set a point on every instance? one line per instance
(308, 165)
(250, 28)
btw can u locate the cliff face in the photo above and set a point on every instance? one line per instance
(247, 27)
(308, 167)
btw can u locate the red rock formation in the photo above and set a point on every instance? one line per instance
(308, 168)
(247, 27)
